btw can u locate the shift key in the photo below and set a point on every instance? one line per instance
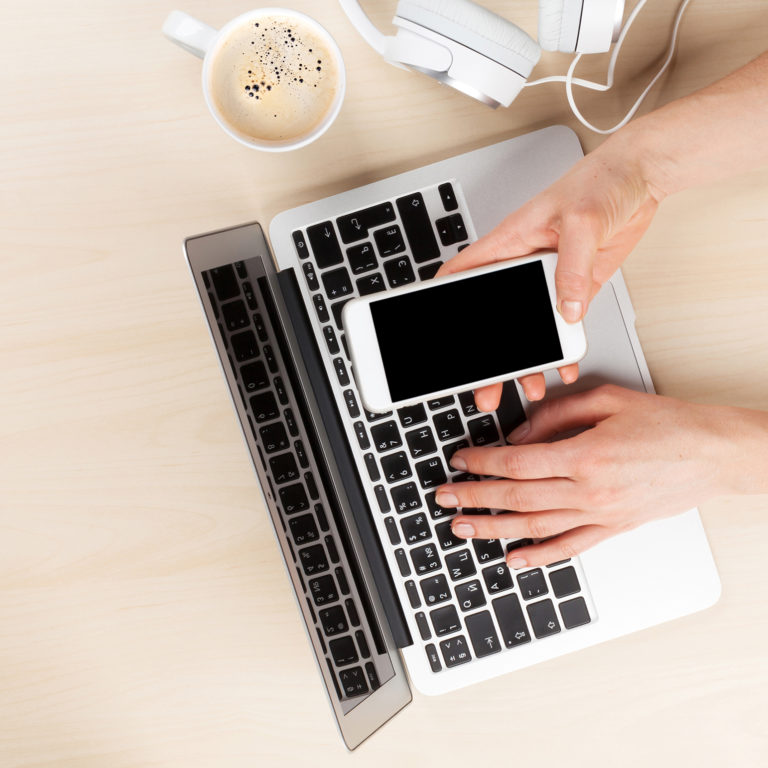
(418, 227)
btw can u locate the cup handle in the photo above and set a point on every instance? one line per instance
(189, 33)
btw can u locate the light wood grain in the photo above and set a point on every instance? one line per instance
(145, 618)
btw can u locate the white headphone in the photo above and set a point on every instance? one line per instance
(488, 57)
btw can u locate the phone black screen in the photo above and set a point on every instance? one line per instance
(451, 335)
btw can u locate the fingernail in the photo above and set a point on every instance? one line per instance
(517, 562)
(445, 499)
(458, 463)
(571, 311)
(464, 529)
(520, 432)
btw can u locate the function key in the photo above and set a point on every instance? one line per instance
(393, 533)
(301, 244)
(341, 371)
(423, 624)
(311, 276)
(389, 241)
(532, 584)
(399, 272)
(320, 308)
(482, 633)
(418, 227)
(564, 582)
(261, 329)
(361, 258)
(434, 658)
(455, 651)
(321, 518)
(362, 435)
(381, 498)
(372, 467)
(574, 613)
(373, 678)
(440, 402)
(241, 270)
(355, 226)
(330, 339)
(282, 394)
(543, 618)
(370, 284)
(509, 615)
(451, 229)
(377, 416)
(269, 356)
(402, 563)
(325, 245)
(225, 282)
(412, 414)
(349, 399)
(250, 296)
(342, 579)
(290, 422)
(450, 203)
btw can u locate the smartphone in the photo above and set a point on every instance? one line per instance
(459, 332)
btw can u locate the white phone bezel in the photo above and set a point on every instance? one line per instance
(364, 349)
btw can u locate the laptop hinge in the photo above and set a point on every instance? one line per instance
(357, 505)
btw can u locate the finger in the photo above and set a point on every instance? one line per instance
(562, 547)
(569, 373)
(521, 233)
(562, 414)
(534, 386)
(517, 525)
(487, 399)
(516, 462)
(580, 237)
(517, 495)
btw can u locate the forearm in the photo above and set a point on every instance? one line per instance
(715, 132)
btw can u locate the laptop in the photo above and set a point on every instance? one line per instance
(388, 596)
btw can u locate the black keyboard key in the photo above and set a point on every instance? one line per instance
(411, 415)
(431, 473)
(333, 553)
(273, 437)
(470, 595)
(261, 329)
(451, 229)
(301, 454)
(301, 244)
(497, 579)
(354, 619)
(254, 376)
(425, 559)
(377, 416)
(446, 538)
(460, 565)
(269, 356)
(406, 498)
(482, 634)
(483, 430)
(423, 625)
(351, 401)
(294, 499)
(509, 616)
(450, 203)
(435, 510)
(353, 682)
(513, 545)
(543, 618)
(341, 371)
(402, 563)
(434, 658)
(445, 620)
(420, 442)
(333, 620)
(574, 612)
(510, 411)
(451, 448)
(370, 284)
(303, 529)
(399, 272)
(309, 479)
(532, 584)
(415, 528)
(313, 559)
(440, 402)
(323, 590)
(564, 582)
(372, 467)
(361, 258)
(324, 244)
(235, 315)
(381, 498)
(373, 678)
(264, 407)
(429, 271)
(413, 594)
(448, 425)
(320, 308)
(342, 579)
(355, 226)
(392, 531)
(455, 651)
(245, 346)
(362, 435)
(362, 644)
(467, 401)
(337, 283)
(389, 240)
(311, 276)
(336, 310)
(283, 468)
(487, 550)
(282, 394)
(386, 436)
(343, 651)
(396, 467)
(321, 518)
(250, 296)
(225, 282)
(435, 589)
(418, 227)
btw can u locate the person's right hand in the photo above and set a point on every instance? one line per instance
(593, 216)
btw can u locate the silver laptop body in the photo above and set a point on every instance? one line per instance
(381, 584)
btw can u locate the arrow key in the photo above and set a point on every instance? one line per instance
(543, 618)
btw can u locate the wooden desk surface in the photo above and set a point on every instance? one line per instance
(145, 618)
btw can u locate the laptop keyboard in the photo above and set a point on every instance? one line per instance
(466, 603)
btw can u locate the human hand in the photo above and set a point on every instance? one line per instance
(645, 457)
(593, 216)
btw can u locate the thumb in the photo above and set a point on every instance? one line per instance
(576, 250)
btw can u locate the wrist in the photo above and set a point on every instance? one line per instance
(744, 454)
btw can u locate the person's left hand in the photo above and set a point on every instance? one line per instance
(645, 457)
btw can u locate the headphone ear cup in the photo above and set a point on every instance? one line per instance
(579, 26)
(472, 25)
(551, 24)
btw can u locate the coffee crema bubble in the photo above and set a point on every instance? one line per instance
(274, 79)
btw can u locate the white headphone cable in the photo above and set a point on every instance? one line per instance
(570, 81)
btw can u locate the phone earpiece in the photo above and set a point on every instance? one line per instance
(579, 26)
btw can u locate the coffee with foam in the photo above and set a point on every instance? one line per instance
(274, 79)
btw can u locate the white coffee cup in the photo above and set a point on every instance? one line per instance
(207, 43)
